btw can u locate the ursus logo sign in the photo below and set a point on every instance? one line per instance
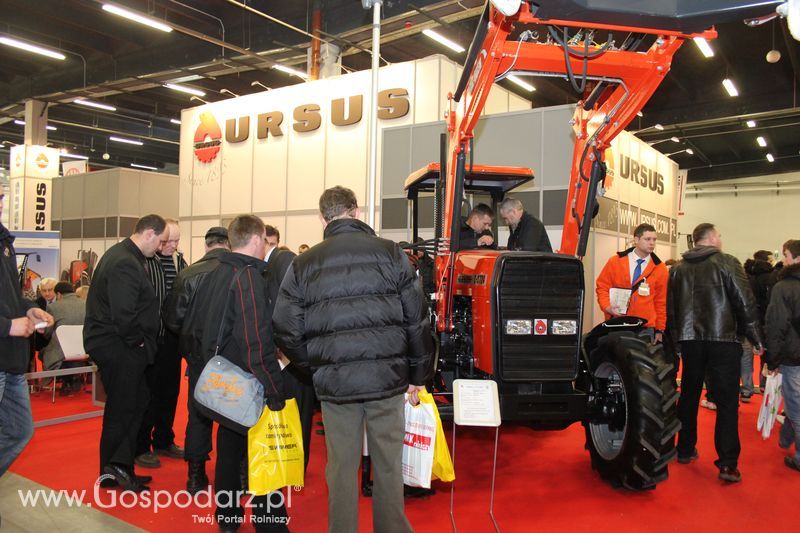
(207, 138)
(42, 161)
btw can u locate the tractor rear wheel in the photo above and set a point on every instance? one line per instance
(631, 432)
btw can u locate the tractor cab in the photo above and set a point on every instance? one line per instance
(495, 181)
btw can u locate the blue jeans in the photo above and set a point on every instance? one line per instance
(791, 402)
(747, 370)
(16, 421)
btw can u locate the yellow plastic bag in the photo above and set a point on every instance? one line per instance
(275, 450)
(442, 464)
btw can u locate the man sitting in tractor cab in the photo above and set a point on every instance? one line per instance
(476, 229)
(526, 231)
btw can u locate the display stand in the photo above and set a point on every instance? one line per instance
(476, 403)
(69, 372)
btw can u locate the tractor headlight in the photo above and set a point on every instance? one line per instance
(564, 327)
(518, 327)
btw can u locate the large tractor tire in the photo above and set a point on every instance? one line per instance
(631, 436)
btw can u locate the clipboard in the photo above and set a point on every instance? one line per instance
(620, 299)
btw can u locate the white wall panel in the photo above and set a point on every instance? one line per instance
(129, 193)
(269, 169)
(426, 109)
(158, 194)
(302, 229)
(496, 102)
(72, 199)
(748, 221)
(186, 163)
(517, 103)
(237, 177)
(306, 162)
(196, 248)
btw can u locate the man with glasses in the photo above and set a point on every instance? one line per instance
(156, 436)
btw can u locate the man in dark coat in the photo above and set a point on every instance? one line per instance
(156, 437)
(120, 335)
(352, 310)
(527, 231)
(759, 272)
(18, 317)
(783, 341)
(476, 229)
(296, 380)
(709, 304)
(183, 319)
(233, 299)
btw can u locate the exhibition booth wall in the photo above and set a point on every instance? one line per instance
(273, 153)
(95, 210)
(752, 213)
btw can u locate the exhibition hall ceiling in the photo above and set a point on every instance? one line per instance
(224, 48)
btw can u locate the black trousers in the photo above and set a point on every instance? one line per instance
(122, 371)
(197, 444)
(164, 381)
(297, 384)
(720, 362)
(268, 512)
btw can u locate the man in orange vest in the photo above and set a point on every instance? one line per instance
(634, 283)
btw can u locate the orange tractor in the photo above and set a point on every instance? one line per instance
(517, 317)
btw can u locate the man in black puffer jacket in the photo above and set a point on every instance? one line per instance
(709, 306)
(353, 311)
(783, 340)
(181, 317)
(759, 272)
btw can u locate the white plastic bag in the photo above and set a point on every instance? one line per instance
(770, 407)
(418, 445)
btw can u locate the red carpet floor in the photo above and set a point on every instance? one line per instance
(543, 480)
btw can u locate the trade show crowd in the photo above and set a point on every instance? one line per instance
(345, 323)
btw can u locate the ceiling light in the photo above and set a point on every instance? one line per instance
(75, 156)
(22, 123)
(9, 41)
(659, 127)
(770, 158)
(443, 40)
(184, 89)
(522, 83)
(762, 142)
(98, 105)
(704, 47)
(751, 123)
(175, 121)
(730, 87)
(639, 114)
(136, 17)
(292, 71)
(674, 139)
(127, 141)
(143, 166)
(690, 151)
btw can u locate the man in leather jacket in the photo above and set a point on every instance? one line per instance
(181, 318)
(709, 306)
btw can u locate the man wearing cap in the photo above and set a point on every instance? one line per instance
(179, 317)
